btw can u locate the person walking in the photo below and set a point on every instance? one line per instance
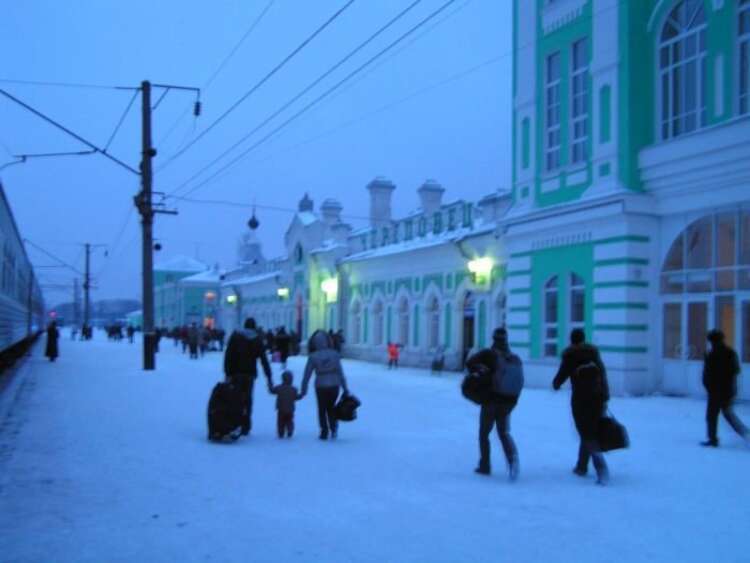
(51, 350)
(193, 340)
(286, 396)
(393, 353)
(720, 370)
(582, 364)
(500, 363)
(244, 349)
(282, 345)
(325, 362)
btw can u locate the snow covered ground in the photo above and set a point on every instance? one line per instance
(103, 462)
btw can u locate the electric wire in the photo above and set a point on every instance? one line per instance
(121, 120)
(314, 102)
(254, 88)
(304, 91)
(210, 80)
(61, 84)
(50, 255)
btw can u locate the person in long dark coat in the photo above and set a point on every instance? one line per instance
(720, 370)
(53, 334)
(282, 345)
(588, 400)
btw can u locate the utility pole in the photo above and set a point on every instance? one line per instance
(86, 286)
(76, 303)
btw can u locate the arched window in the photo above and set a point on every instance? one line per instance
(682, 69)
(356, 323)
(577, 302)
(403, 322)
(743, 28)
(704, 282)
(377, 317)
(433, 323)
(500, 310)
(550, 317)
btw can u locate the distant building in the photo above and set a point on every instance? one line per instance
(175, 304)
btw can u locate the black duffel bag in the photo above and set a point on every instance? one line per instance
(612, 435)
(477, 386)
(346, 408)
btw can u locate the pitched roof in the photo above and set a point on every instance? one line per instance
(181, 264)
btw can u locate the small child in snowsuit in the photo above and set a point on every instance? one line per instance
(393, 353)
(286, 395)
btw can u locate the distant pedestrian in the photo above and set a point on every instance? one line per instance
(193, 341)
(131, 332)
(325, 362)
(582, 363)
(244, 349)
(220, 335)
(282, 346)
(501, 365)
(393, 354)
(286, 396)
(51, 350)
(720, 370)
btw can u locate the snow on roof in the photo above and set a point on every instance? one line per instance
(251, 279)
(209, 276)
(419, 243)
(307, 217)
(181, 264)
(328, 245)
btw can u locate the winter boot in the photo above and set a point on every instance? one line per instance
(514, 468)
(710, 443)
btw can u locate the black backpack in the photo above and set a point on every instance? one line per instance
(477, 386)
(588, 379)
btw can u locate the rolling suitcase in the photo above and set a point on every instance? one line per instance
(225, 410)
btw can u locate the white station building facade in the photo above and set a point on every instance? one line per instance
(628, 214)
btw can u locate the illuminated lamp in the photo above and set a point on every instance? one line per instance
(283, 292)
(330, 287)
(231, 299)
(480, 269)
(209, 295)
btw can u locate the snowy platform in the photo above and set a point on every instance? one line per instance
(100, 461)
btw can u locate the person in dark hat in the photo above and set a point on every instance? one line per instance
(588, 378)
(720, 370)
(495, 410)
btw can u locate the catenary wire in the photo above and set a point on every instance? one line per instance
(260, 83)
(304, 91)
(120, 121)
(314, 102)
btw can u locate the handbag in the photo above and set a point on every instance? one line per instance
(346, 409)
(611, 434)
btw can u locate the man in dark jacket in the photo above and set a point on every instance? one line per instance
(582, 363)
(720, 370)
(244, 349)
(495, 411)
(282, 345)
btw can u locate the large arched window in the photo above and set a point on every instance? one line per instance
(743, 32)
(433, 323)
(356, 323)
(705, 283)
(577, 301)
(403, 322)
(682, 69)
(377, 318)
(550, 317)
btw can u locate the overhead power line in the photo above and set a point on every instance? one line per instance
(60, 84)
(304, 91)
(325, 94)
(262, 81)
(50, 255)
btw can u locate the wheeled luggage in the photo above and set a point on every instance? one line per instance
(346, 408)
(611, 434)
(225, 410)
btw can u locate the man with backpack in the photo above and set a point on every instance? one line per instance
(244, 349)
(505, 371)
(720, 370)
(583, 365)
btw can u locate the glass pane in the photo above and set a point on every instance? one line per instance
(726, 238)
(724, 317)
(674, 259)
(725, 280)
(550, 349)
(577, 301)
(746, 331)
(743, 279)
(745, 237)
(672, 330)
(691, 44)
(664, 56)
(699, 282)
(665, 99)
(672, 283)
(550, 307)
(697, 329)
(698, 239)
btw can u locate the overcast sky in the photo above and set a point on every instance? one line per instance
(445, 117)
